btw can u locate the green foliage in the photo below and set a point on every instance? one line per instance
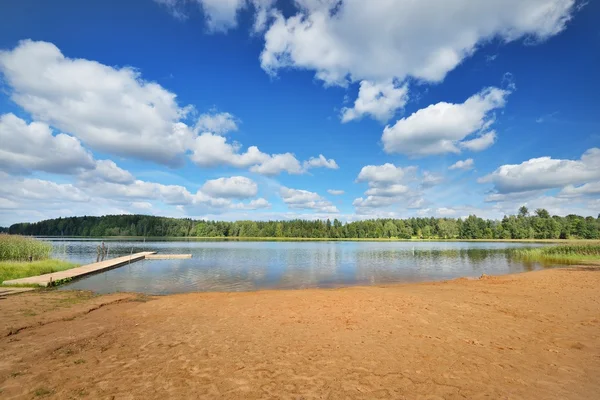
(59, 282)
(20, 248)
(563, 253)
(23, 269)
(540, 225)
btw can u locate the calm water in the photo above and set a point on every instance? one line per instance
(245, 266)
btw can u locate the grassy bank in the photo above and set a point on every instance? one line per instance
(23, 269)
(567, 254)
(23, 248)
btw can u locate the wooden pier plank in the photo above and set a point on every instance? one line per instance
(44, 280)
(167, 256)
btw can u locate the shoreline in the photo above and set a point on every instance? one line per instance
(590, 266)
(301, 239)
(525, 335)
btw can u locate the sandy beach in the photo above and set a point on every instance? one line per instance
(526, 336)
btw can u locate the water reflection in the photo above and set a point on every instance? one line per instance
(245, 266)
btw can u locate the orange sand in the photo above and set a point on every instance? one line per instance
(528, 336)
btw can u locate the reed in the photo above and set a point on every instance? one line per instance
(568, 254)
(22, 248)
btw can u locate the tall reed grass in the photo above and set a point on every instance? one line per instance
(22, 248)
(568, 254)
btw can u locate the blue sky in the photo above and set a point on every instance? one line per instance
(263, 109)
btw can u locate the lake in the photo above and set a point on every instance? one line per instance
(247, 266)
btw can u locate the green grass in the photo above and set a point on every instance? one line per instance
(567, 254)
(23, 269)
(23, 248)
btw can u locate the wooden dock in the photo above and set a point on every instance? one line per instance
(47, 279)
(168, 256)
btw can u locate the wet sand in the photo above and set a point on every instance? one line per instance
(526, 336)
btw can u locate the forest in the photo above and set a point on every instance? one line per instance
(524, 225)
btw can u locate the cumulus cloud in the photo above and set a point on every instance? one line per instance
(303, 199)
(443, 127)
(107, 171)
(278, 163)
(465, 165)
(33, 147)
(20, 189)
(587, 189)
(141, 205)
(386, 173)
(210, 150)
(110, 181)
(320, 162)
(398, 39)
(480, 143)
(255, 204)
(114, 110)
(110, 109)
(233, 187)
(380, 101)
(219, 123)
(390, 185)
(430, 180)
(545, 173)
(335, 192)
(221, 15)
(388, 191)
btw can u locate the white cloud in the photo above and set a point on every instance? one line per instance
(114, 110)
(335, 192)
(463, 164)
(443, 127)
(32, 147)
(429, 180)
(221, 15)
(480, 143)
(263, 12)
(380, 101)
(218, 123)
(210, 150)
(216, 194)
(397, 39)
(110, 109)
(512, 197)
(545, 173)
(389, 185)
(278, 163)
(141, 205)
(107, 171)
(255, 204)
(175, 8)
(38, 190)
(587, 189)
(388, 191)
(386, 173)
(320, 162)
(303, 199)
(141, 190)
(234, 187)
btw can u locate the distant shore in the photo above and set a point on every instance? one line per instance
(528, 335)
(301, 239)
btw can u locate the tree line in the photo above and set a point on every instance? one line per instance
(538, 225)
